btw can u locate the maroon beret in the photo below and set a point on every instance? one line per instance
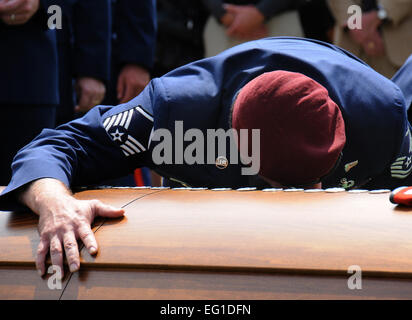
(302, 132)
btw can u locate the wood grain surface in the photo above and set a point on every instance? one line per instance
(23, 283)
(276, 231)
(127, 284)
(182, 244)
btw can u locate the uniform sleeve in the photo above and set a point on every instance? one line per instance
(403, 80)
(215, 7)
(136, 31)
(92, 38)
(271, 8)
(107, 142)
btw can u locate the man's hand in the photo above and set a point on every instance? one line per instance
(227, 19)
(132, 80)
(374, 45)
(90, 92)
(247, 24)
(369, 36)
(16, 12)
(63, 219)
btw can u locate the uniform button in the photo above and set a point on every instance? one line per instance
(114, 36)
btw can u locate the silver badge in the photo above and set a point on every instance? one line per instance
(221, 162)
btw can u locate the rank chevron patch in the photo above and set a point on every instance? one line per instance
(130, 130)
(402, 167)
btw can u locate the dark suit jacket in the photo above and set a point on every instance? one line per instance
(86, 29)
(84, 47)
(28, 62)
(134, 32)
(133, 39)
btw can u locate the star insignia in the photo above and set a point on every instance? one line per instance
(408, 162)
(117, 135)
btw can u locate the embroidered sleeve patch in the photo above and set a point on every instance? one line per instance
(402, 167)
(130, 130)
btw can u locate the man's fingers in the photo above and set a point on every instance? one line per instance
(120, 88)
(230, 8)
(130, 93)
(90, 92)
(72, 251)
(87, 236)
(42, 250)
(14, 19)
(85, 101)
(231, 30)
(104, 210)
(56, 253)
(374, 45)
(10, 6)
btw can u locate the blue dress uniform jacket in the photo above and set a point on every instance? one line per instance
(87, 26)
(28, 65)
(133, 39)
(110, 141)
(84, 47)
(134, 32)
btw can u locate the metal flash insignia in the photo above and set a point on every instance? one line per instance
(221, 162)
(351, 165)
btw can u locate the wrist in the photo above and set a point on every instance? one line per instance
(40, 192)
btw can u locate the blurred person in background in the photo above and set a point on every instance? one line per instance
(133, 48)
(237, 21)
(29, 79)
(316, 19)
(84, 56)
(385, 39)
(179, 35)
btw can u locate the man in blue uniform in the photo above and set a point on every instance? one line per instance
(364, 126)
(28, 82)
(133, 43)
(84, 55)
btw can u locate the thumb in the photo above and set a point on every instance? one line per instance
(231, 30)
(230, 8)
(104, 210)
(120, 88)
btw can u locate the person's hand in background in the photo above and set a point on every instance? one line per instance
(227, 19)
(16, 12)
(369, 36)
(132, 80)
(374, 45)
(247, 22)
(90, 93)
